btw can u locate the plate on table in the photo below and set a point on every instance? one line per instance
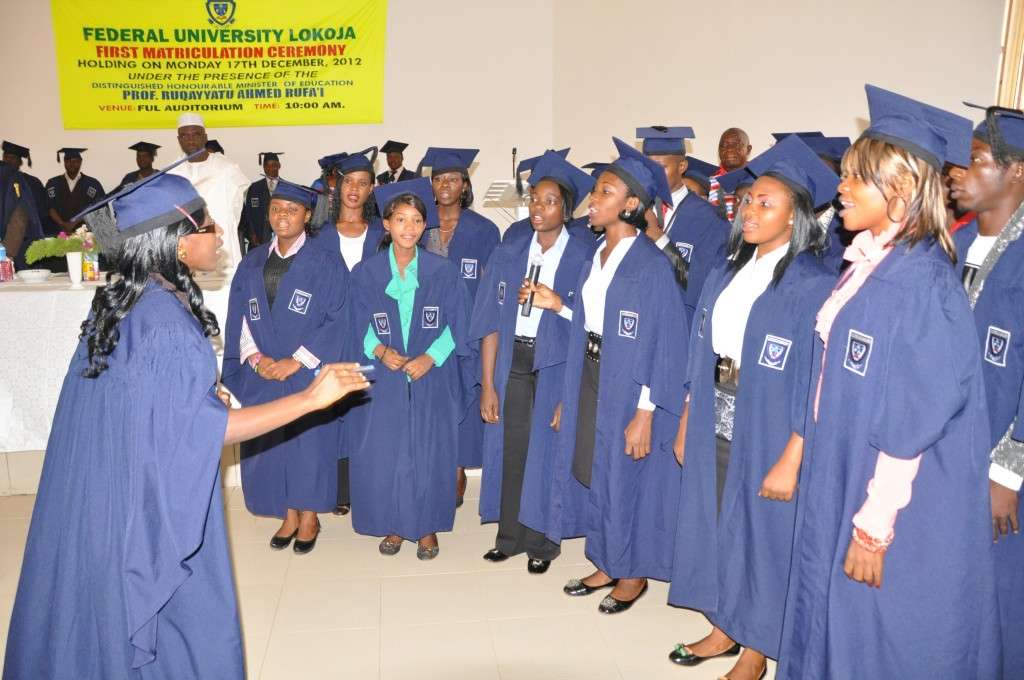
(33, 275)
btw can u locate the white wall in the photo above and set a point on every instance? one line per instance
(778, 65)
(536, 73)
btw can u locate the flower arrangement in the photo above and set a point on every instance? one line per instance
(81, 241)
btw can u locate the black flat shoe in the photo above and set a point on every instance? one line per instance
(682, 656)
(282, 542)
(341, 510)
(610, 605)
(305, 547)
(537, 566)
(577, 588)
(495, 555)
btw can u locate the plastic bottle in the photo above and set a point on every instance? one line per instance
(6, 266)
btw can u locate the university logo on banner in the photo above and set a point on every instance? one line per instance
(997, 345)
(774, 352)
(222, 12)
(628, 322)
(858, 352)
(300, 301)
(430, 317)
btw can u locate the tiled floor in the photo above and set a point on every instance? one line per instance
(345, 611)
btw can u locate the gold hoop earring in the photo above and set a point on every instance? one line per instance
(888, 209)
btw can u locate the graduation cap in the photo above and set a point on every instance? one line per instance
(352, 162)
(1002, 127)
(153, 202)
(930, 133)
(296, 193)
(527, 165)
(18, 150)
(70, 153)
(442, 159)
(664, 141)
(145, 147)
(830, 147)
(213, 146)
(644, 177)
(392, 146)
(779, 136)
(265, 156)
(596, 168)
(385, 195)
(700, 171)
(553, 166)
(796, 164)
(331, 160)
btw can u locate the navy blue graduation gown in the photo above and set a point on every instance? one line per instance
(130, 178)
(402, 466)
(579, 226)
(902, 374)
(699, 233)
(474, 240)
(39, 194)
(329, 240)
(69, 203)
(255, 223)
(496, 311)
(999, 324)
(629, 516)
(15, 192)
(385, 177)
(294, 466)
(126, 572)
(736, 569)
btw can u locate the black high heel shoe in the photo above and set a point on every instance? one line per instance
(282, 542)
(682, 656)
(305, 547)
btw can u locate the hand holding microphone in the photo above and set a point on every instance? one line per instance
(532, 277)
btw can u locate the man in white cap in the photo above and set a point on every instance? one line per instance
(220, 182)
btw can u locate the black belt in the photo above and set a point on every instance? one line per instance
(524, 340)
(593, 346)
(727, 372)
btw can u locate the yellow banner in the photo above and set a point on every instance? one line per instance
(139, 64)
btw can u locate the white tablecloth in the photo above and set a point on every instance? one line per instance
(40, 324)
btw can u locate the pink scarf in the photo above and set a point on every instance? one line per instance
(866, 252)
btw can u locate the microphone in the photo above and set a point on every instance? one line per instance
(533, 275)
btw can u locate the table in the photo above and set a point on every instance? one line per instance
(41, 323)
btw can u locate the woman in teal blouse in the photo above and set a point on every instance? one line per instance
(415, 309)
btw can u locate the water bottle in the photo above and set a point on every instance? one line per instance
(6, 266)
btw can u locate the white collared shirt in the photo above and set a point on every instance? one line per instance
(729, 318)
(272, 184)
(396, 173)
(72, 182)
(352, 248)
(526, 326)
(595, 295)
(677, 199)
